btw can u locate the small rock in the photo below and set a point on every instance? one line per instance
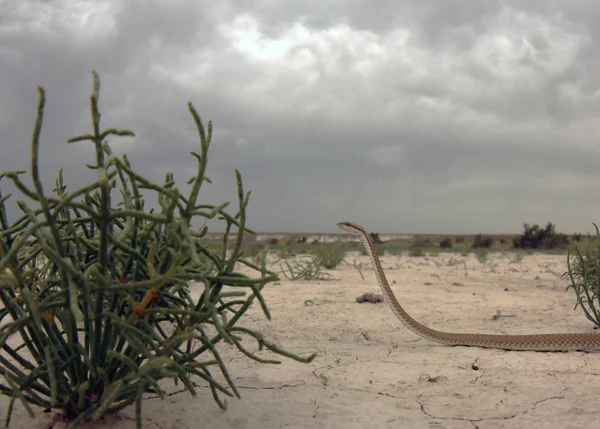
(369, 297)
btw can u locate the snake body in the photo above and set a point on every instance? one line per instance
(536, 342)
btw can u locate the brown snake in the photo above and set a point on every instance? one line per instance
(536, 342)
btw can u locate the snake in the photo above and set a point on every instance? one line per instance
(534, 342)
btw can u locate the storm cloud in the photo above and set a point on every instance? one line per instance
(405, 116)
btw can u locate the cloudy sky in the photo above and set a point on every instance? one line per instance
(404, 115)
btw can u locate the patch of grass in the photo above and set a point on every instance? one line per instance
(329, 255)
(416, 252)
(394, 248)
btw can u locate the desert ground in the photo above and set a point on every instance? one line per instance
(371, 372)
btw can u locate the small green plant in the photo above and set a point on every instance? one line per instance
(288, 248)
(291, 247)
(330, 255)
(304, 268)
(482, 255)
(583, 269)
(95, 297)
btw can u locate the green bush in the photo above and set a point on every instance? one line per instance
(330, 255)
(96, 305)
(583, 269)
(375, 238)
(290, 247)
(534, 237)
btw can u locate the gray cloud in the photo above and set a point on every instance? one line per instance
(406, 116)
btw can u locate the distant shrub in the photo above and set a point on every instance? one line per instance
(460, 240)
(534, 237)
(290, 248)
(375, 238)
(482, 242)
(330, 255)
(446, 243)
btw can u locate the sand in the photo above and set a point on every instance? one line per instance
(370, 372)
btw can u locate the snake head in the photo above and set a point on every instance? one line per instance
(352, 228)
(346, 226)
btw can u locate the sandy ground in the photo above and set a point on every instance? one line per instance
(370, 372)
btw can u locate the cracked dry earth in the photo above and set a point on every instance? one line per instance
(370, 372)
